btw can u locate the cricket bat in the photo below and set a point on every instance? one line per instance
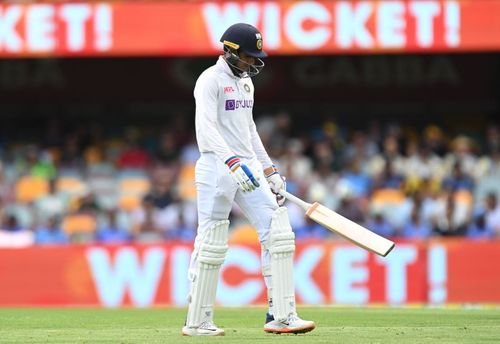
(337, 223)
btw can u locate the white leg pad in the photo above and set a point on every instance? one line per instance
(282, 246)
(210, 256)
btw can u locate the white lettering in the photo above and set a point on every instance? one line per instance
(312, 38)
(391, 24)
(113, 280)
(40, 28)
(424, 13)
(103, 23)
(271, 26)
(351, 24)
(75, 16)
(345, 274)
(304, 284)
(452, 21)
(219, 17)
(437, 268)
(179, 265)
(9, 38)
(396, 275)
(248, 290)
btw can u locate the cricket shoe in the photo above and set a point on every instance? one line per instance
(207, 328)
(293, 324)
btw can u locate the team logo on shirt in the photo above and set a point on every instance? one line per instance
(233, 104)
(246, 87)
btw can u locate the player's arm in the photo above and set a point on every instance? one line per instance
(276, 182)
(206, 95)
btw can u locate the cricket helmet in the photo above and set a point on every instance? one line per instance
(244, 38)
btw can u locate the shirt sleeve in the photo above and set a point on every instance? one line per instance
(258, 147)
(209, 138)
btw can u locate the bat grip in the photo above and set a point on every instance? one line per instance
(296, 200)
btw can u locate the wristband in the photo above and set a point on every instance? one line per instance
(274, 171)
(233, 162)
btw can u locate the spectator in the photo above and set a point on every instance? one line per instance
(161, 193)
(323, 156)
(381, 226)
(71, 156)
(376, 164)
(311, 230)
(180, 229)
(50, 205)
(423, 165)
(133, 156)
(345, 173)
(492, 164)
(356, 180)
(12, 235)
(492, 215)
(360, 147)
(147, 224)
(492, 144)
(168, 152)
(39, 167)
(479, 229)
(320, 185)
(350, 208)
(6, 188)
(50, 233)
(88, 204)
(459, 180)
(111, 233)
(295, 161)
(389, 178)
(462, 153)
(416, 228)
(434, 139)
(447, 221)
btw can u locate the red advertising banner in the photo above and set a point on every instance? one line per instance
(436, 272)
(288, 27)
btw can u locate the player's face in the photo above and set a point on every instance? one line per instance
(246, 61)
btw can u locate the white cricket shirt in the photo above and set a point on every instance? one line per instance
(224, 120)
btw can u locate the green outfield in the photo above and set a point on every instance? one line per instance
(244, 325)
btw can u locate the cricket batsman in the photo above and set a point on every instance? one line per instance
(235, 167)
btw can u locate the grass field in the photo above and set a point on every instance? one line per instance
(334, 325)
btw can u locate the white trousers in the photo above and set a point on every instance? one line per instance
(216, 192)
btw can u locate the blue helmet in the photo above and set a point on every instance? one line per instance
(244, 38)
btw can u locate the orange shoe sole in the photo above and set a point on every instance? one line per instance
(292, 331)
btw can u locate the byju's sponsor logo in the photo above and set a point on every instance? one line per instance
(232, 104)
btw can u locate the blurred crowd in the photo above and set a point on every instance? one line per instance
(111, 184)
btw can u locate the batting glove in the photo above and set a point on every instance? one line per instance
(242, 174)
(277, 183)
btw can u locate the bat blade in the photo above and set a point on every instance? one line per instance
(350, 230)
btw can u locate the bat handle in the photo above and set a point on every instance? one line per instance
(296, 200)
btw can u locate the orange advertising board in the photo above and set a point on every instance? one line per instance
(288, 27)
(436, 272)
